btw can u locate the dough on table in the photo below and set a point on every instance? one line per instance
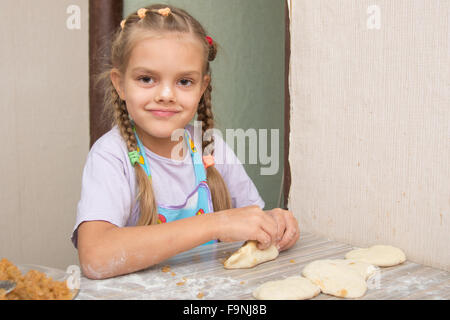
(292, 288)
(249, 256)
(379, 255)
(366, 270)
(336, 278)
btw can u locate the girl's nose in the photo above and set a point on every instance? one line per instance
(165, 95)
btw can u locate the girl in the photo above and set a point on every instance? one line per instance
(146, 196)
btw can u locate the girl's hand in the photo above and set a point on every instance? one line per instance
(247, 223)
(287, 228)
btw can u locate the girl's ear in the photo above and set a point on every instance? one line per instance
(206, 81)
(116, 77)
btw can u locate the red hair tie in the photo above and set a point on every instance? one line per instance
(210, 40)
(208, 161)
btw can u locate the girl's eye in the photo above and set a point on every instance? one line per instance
(150, 80)
(145, 79)
(186, 82)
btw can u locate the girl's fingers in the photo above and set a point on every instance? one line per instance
(281, 226)
(291, 233)
(291, 242)
(264, 240)
(266, 230)
(269, 225)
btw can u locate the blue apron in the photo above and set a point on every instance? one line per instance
(197, 202)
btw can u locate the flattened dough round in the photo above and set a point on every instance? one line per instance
(292, 288)
(379, 255)
(249, 256)
(366, 270)
(336, 279)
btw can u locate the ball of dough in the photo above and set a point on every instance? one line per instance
(379, 255)
(292, 288)
(249, 256)
(336, 279)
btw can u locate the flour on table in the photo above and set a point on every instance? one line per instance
(406, 285)
(292, 288)
(157, 285)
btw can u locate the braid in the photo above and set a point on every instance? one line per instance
(149, 214)
(219, 192)
(122, 120)
(204, 112)
(205, 115)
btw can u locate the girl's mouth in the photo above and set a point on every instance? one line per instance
(163, 114)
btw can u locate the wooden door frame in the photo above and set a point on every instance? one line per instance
(287, 105)
(104, 17)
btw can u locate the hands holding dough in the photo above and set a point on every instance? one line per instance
(284, 235)
(288, 231)
(276, 227)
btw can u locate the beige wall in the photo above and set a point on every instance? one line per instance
(370, 134)
(44, 127)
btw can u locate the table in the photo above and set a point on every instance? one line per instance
(198, 274)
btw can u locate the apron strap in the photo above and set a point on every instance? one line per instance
(141, 151)
(199, 169)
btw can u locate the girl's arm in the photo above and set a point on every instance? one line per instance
(106, 250)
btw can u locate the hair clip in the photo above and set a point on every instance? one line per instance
(208, 161)
(210, 40)
(142, 12)
(122, 24)
(164, 12)
(134, 157)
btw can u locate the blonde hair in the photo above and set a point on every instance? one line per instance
(133, 29)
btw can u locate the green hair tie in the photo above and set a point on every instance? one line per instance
(134, 157)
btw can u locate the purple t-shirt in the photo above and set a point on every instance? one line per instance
(108, 190)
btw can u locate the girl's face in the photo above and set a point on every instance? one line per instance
(163, 84)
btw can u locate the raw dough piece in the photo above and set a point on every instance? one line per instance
(249, 256)
(292, 288)
(379, 255)
(366, 270)
(336, 279)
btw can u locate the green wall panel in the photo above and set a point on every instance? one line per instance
(247, 75)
